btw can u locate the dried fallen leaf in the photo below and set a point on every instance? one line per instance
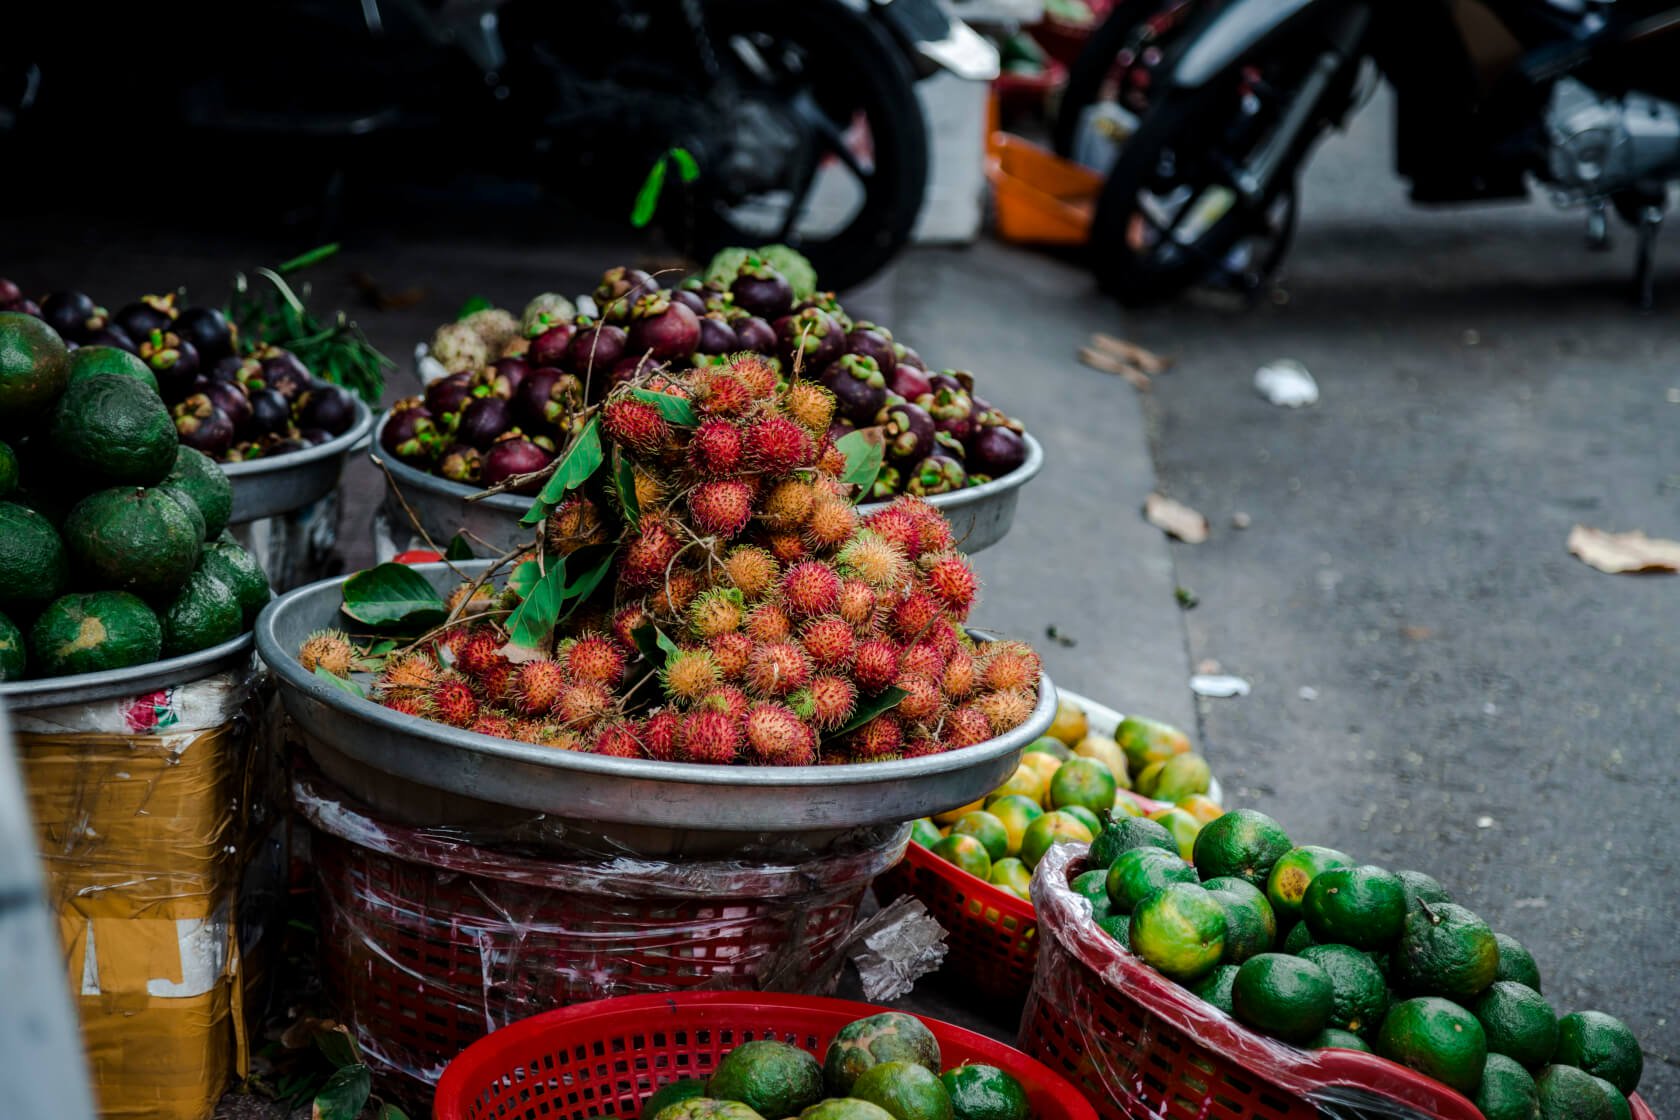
(1175, 519)
(1416, 633)
(1131, 353)
(1108, 363)
(1624, 552)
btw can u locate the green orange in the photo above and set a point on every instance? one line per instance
(965, 852)
(1051, 828)
(1294, 871)
(986, 828)
(1179, 930)
(1360, 906)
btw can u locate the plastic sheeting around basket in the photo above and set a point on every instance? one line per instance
(431, 941)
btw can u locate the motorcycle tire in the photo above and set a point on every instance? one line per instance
(849, 44)
(1091, 69)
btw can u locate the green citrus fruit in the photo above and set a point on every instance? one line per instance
(1507, 1091)
(1052, 746)
(1070, 724)
(1083, 782)
(1141, 872)
(706, 1108)
(891, 1036)
(966, 852)
(1294, 871)
(1619, 1107)
(1360, 906)
(981, 1092)
(14, 651)
(1603, 1046)
(772, 1078)
(1298, 938)
(1436, 1037)
(1518, 1022)
(1421, 887)
(97, 361)
(924, 832)
(1287, 997)
(1147, 740)
(1183, 827)
(1179, 930)
(1125, 833)
(1181, 776)
(1568, 1093)
(682, 1089)
(34, 366)
(1243, 843)
(1051, 828)
(907, 1091)
(986, 828)
(1016, 812)
(1334, 1038)
(1215, 987)
(1117, 926)
(1092, 823)
(1012, 875)
(1250, 925)
(1515, 962)
(1358, 994)
(94, 632)
(1445, 951)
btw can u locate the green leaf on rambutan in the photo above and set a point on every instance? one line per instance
(864, 450)
(393, 595)
(532, 621)
(581, 460)
(459, 548)
(524, 577)
(354, 688)
(676, 410)
(579, 591)
(624, 481)
(655, 647)
(869, 709)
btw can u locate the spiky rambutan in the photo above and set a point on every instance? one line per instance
(777, 736)
(831, 461)
(876, 665)
(946, 638)
(777, 445)
(1005, 709)
(719, 392)
(536, 687)
(626, 620)
(933, 532)
(495, 683)
(897, 526)
(914, 615)
(922, 698)
(829, 641)
(483, 599)
(922, 659)
(721, 509)
(618, 739)
(882, 735)
(777, 668)
(716, 449)
(689, 674)
(787, 505)
(481, 651)
(810, 588)
(1009, 665)
(751, 570)
(960, 677)
(659, 734)
(769, 622)
(811, 405)
(755, 371)
(714, 612)
(582, 704)
(493, 724)
(452, 642)
(857, 602)
(650, 490)
(453, 702)
(875, 560)
(731, 652)
(828, 702)
(832, 523)
(408, 703)
(648, 554)
(329, 650)
(412, 670)
(595, 659)
(680, 588)
(964, 727)
(727, 699)
(710, 737)
(950, 578)
(573, 524)
(921, 745)
(527, 731)
(635, 424)
(787, 546)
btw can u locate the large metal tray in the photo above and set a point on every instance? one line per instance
(267, 487)
(137, 680)
(431, 774)
(980, 516)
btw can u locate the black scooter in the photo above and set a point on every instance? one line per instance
(1580, 95)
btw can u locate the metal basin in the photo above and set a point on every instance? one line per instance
(426, 773)
(980, 516)
(137, 680)
(268, 487)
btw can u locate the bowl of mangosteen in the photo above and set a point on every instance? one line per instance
(504, 392)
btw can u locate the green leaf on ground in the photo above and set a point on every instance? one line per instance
(344, 1094)
(392, 594)
(344, 684)
(579, 591)
(458, 548)
(647, 197)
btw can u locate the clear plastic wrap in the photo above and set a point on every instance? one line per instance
(431, 940)
(1139, 1045)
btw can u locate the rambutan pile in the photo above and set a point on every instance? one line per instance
(751, 613)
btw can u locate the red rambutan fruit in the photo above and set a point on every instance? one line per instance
(876, 665)
(777, 668)
(689, 674)
(787, 546)
(722, 393)
(496, 682)
(922, 698)
(413, 670)
(832, 522)
(582, 704)
(933, 532)
(648, 554)
(872, 558)
(755, 371)
(731, 652)
(921, 746)
(408, 703)
(960, 677)
(915, 614)
(811, 405)
(492, 724)
(721, 509)
(727, 699)
(881, 736)
(777, 445)
(777, 736)
(679, 590)
(1009, 665)
(828, 702)
(718, 611)
(635, 424)
(453, 702)
(660, 732)
(923, 660)
(626, 620)
(481, 650)
(1005, 709)
(751, 570)
(829, 641)
(709, 737)
(897, 526)
(769, 622)
(716, 448)
(964, 727)
(810, 588)
(787, 505)
(857, 602)
(595, 659)
(619, 739)
(950, 578)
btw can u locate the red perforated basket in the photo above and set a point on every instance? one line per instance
(606, 1058)
(1136, 1044)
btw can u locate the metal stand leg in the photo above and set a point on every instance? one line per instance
(1650, 224)
(1598, 226)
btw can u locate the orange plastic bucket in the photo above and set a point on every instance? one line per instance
(1041, 198)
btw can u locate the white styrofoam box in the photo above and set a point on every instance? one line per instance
(955, 113)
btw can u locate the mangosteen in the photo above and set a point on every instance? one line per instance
(619, 290)
(484, 420)
(630, 367)
(755, 334)
(952, 411)
(599, 346)
(907, 356)
(839, 428)
(26, 307)
(173, 360)
(996, 451)
(985, 416)
(285, 373)
(716, 335)
(811, 335)
(547, 397)
(284, 446)
(694, 301)
(909, 382)
(73, 315)
(762, 290)
(203, 426)
(145, 315)
(227, 370)
(858, 387)
(828, 303)
(270, 413)
(461, 462)
(208, 330)
(909, 431)
(111, 335)
(447, 396)
(515, 456)
(874, 342)
(946, 379)
(230, 399)
(936, 474)
(889, 483)
(666, 328)
(549, 347)
(409, 434)
(506, 375)
(326, 407)
(719, 299)
(314, 437)
(10, 293)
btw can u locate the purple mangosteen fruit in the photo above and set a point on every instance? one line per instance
(889, 483)
(547, 397)
(858, 387)
(26, 307)
(839, 428)
(173, 361)
(936, 474)
(203, 426)
(283, 372)
(619, 290)
(410, 434)
(227, 369)
(909, 431)
(145, 315)
(692, 300)
(996, 451)
(271, 414)
(874, 342)
(762, 290)
(231, 399)
(811, 335)
(515, 456)
(328, 408)
(208, 330)
(507, 374)
(549, 347)
(946, 379)
(314, 437)
(910, 383)
(908, 356)
(755, 334)
(112, 335)
(484, 421)
(952, 411)
(10, 293)
(283, 447)
(716, 335)
(447, 396)
(827, 303)
(666, 328)
(461, 462)
(598, 347)
(73, 315)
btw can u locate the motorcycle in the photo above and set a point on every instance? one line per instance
(1579, 95)
(796, 123)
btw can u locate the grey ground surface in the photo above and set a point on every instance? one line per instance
(1485, 388)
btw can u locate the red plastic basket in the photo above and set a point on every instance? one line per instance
(1137, 1044)
(430, 943)
(606, 1058)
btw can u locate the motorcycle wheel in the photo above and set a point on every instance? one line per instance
(1117, 63)
(852, 95)
(1171, 214)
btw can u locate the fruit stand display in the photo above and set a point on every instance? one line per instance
(971, 866)
(1275, 980)
(503, 393)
